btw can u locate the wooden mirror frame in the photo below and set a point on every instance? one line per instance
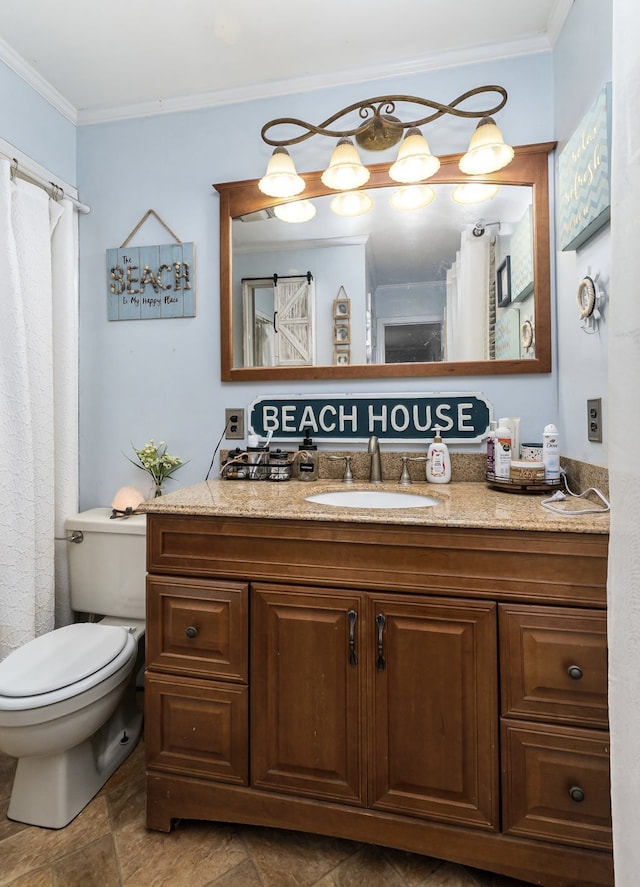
(530, 166)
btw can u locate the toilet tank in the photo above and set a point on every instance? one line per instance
(107, 569)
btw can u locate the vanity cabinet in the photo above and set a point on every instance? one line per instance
(439, 690)
(380, 701)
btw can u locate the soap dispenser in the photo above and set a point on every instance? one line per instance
(307, 459)
(438, 462)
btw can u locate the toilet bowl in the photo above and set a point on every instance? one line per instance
(68, 708)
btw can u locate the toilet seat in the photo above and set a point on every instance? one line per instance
(63, 663)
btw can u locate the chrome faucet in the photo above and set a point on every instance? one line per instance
(374, 451)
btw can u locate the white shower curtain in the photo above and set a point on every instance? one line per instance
(38, 407)
(468, 300)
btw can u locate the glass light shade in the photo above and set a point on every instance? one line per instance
(487, 150)
(294, 212)
(415, 161)
(474, 192)
(351, 203)
(412, 197)
(127, 499)
(281, 178)
(345, 171)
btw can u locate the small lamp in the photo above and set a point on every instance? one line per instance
(345, 171)
(487, 150)
(126, 501)
(415, 161)
(281, 178)
(294, 212)
(412, 197)
(351, 203)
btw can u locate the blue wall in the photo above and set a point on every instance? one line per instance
(161, 379)
(35, 127)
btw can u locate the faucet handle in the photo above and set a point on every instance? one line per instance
(348, 476)
(405, 479)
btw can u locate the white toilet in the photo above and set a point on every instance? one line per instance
(68, 707)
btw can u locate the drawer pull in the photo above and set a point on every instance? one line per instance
(575, 672)
(576, 794)
(352, 618)
(380, 622)
(191, 632)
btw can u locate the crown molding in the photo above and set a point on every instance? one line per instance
(557, 19)
(35, 80)
(255, 92)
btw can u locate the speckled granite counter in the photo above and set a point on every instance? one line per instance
(460, 505)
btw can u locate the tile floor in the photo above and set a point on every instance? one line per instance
(107, 845)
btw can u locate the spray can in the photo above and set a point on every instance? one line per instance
(551, 454)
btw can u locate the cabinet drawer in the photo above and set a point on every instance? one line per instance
(556, 784)
(198, 627)
(197, 727)
(553, 664)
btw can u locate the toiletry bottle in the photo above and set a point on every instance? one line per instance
(551, 454)
(438, 462)
(308, 467)
(491, 448)
(502, 456)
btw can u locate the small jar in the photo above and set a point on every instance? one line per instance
(279, 466)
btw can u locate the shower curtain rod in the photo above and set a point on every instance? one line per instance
(56, 192)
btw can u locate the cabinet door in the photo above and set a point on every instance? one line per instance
(307, 703)
(434, 746)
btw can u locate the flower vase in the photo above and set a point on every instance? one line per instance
(156, 490)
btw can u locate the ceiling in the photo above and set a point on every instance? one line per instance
(97, 60)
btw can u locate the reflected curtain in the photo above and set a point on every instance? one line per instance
(468, 295)
(38, 407)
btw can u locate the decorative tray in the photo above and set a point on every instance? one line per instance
(521, 486)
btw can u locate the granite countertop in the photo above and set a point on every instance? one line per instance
(472, 505)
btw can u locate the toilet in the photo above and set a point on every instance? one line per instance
(68, 707)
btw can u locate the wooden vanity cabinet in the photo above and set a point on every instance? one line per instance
(387, 702)
(437, 690)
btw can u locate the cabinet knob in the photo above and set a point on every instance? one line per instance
(576, 794)
(191, 632)
(575, 672)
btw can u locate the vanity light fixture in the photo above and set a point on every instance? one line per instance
(474, 192)
(281, 178)
(487, 150)
(351, 203)
(415, 161)
(412, 197)
(378, 129)
(295, 212)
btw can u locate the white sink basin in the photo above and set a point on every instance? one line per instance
(372, 499)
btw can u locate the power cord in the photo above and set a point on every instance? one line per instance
(560, 496)
(224, 431)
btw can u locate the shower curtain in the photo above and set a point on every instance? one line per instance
(468, 300)
(38, 407)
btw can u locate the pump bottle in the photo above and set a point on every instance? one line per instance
(438, 462)
(308, 459)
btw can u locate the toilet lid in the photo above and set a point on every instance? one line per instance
(60, 658)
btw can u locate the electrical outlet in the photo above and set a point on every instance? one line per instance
(594, 420)
(234, 424)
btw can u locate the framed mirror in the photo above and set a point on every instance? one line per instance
(443, 290)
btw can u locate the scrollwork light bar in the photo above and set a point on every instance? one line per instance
(378, 115)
